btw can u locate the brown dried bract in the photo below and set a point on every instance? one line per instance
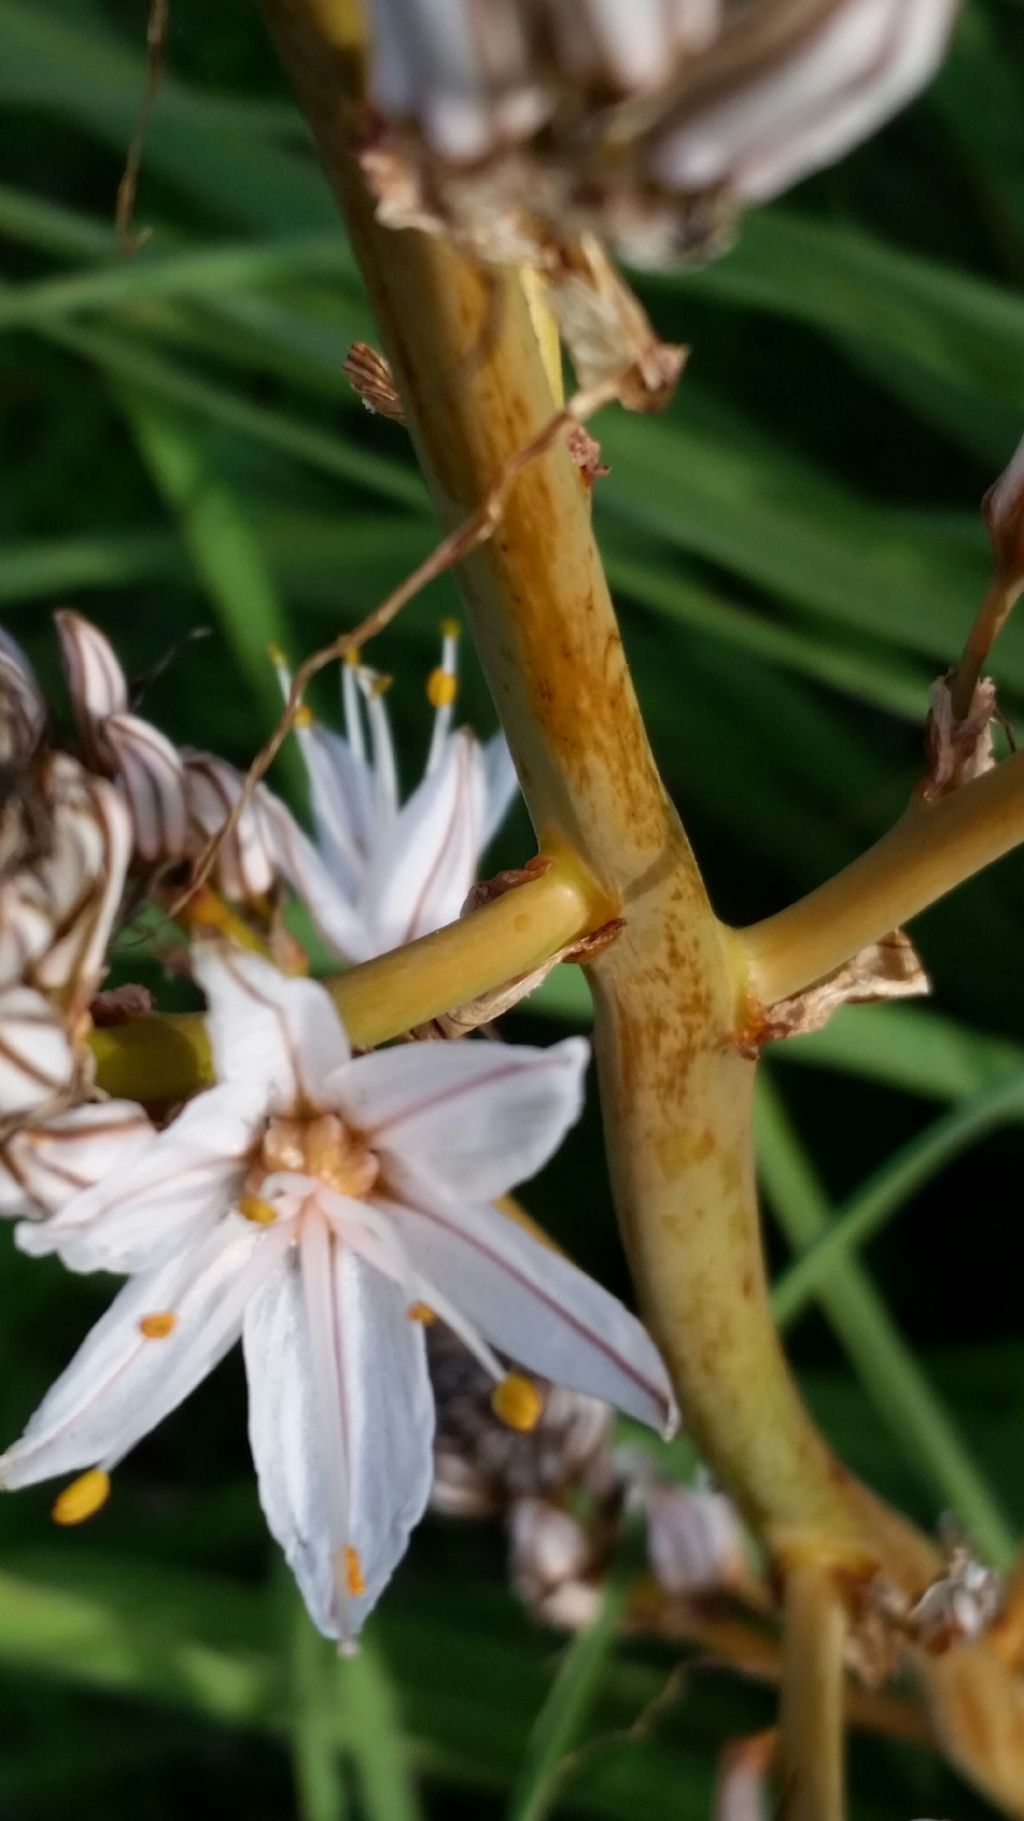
(958, 750)
(371, 378)
(119, 1005)
(888, 969)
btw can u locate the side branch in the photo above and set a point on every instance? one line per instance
(165, 1059)
(931, 849)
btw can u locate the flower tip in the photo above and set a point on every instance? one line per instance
(82, 1499)
(451, 629)
(673, 1420)
(442, 688)
(518, 1403)
(276, 656)
(304, 716)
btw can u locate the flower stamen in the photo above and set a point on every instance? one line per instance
(253, 1207)
(517, 1401)
(423, 1313)
(442, 688)
(83, 1498)
(158, 1325)
(355, 1583)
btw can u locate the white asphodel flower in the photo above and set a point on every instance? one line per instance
(325, 1207)
(394, 870)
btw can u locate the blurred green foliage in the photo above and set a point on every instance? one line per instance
(797, 551)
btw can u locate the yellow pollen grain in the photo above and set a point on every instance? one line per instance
(518, 1402)
(159, 1325)
(260, 1212)
(276, 656)
(352, 657)
(442, 688)
(381, 685)
(304, 716)
(422, 1312)
(354, 1582)
(450, 629)
(82, 1499)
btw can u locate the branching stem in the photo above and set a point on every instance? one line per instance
(931, 849)
(164, 1059)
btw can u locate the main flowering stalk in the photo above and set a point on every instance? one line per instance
(670, 993)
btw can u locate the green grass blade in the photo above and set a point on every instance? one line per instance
(904, 1175)
(216, 532)
(386, 1784)
(909, 1047)
(316, 1760)
(125, 359)
(883, 1361)
(558, 1726)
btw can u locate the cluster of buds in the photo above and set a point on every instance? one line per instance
(565, 1490)
(65, 846)
(531, 132)
(87, 837)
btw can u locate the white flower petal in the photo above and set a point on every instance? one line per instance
(338, 788)
(269, 1029)
(121, 1383)
(534, 1305)
(36, 1059)
(377, 1414)
(501, 785)
(176, 1188)
(470, 1118)
(421, 870)
(54, 1159)
(329, 905)
(96, 682)
(151, 772)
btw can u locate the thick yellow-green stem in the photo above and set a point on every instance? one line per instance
(676, 1091)
(811, 1755)
(165, 1059)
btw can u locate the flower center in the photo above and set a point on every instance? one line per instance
(324, 1147)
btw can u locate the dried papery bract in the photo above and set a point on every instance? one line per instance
(523, 125)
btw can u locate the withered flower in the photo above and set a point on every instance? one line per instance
(521, 127)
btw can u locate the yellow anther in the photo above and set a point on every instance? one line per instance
(381, 685)
(421, 1312)
(442, 688)
(276, 656)
(518, 1402)
(354, 1582)
(450, 629)
(304, 716)
(260, 1212)
(159, 1325)
(352, 657)
(82, 1498)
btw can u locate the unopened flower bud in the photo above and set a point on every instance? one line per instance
(22, 709)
